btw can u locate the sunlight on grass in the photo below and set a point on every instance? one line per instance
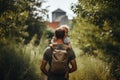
(21, 62)
(90, 68)
(89, 46)
(36, 53)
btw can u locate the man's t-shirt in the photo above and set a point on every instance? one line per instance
(48, 57)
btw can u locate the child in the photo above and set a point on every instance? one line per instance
(66, 29)
(66, 39)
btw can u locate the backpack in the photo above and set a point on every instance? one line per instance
(59, 62)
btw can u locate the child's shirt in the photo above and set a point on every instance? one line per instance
(67, 40)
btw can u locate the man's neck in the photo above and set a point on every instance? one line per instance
(59, 41)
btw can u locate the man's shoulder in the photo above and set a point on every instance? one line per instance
(48, 51)
(48, 48)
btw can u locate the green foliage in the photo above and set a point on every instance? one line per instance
(35, 22)
(97, 11)
(20, 22)
(12, 18)
(90, 41)
(16, 64)
(35, 27)
(101, 38)
(49, 33)
(91, 68)
(18, 17)
(21, 62)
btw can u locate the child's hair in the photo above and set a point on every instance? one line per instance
(65, 27)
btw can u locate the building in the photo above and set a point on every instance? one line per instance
(59, 18)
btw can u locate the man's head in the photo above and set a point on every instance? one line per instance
(59, 33)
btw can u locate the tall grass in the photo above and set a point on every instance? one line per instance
(15, 63)
(91, 68)
(93, 51)
(21, 62)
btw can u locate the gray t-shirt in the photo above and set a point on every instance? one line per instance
(66, 40)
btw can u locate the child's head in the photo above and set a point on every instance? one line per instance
(65, 27)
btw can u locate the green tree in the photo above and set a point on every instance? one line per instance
(35, 21)
(17, 16)
(19, 20)
(12, 18)
(101, 38)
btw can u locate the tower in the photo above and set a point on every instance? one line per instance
(59, 16)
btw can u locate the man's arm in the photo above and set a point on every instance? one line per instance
(43, 67)
(73, 66)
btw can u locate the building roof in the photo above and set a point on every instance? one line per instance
(58, 10)
(53, 25)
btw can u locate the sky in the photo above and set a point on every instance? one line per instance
(65, 5)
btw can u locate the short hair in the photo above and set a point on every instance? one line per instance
(59, 33)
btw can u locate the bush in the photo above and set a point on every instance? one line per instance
(16, 64)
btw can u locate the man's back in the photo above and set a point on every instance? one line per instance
(59, 59)
(48, 58)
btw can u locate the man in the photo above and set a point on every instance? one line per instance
(47, 58)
